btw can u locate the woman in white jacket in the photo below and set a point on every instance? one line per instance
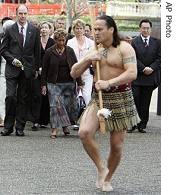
(81, 45)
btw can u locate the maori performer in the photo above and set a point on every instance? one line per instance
(117, 69)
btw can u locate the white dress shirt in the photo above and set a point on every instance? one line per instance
(147, 39)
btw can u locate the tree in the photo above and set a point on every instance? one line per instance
(75, 9)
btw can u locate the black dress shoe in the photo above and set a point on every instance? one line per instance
(141, 125)
(131, 130)
(35, 127)
(141, 130)
(6, 132)
(19, 133)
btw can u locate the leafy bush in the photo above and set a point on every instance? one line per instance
(129, 27)
(87, 19)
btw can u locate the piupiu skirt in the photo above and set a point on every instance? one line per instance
(58, 114)
(123, 110)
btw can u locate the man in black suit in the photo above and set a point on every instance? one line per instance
(148, 53)
(21, 50)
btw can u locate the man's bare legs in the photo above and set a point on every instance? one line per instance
(116, 142)
(89, 125)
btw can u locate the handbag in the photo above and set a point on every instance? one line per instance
(81, 103)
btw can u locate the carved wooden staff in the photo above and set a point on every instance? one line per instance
(100, 117)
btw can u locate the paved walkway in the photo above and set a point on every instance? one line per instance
(35, 164)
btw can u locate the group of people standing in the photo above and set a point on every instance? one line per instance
(39, 101)
(58, 67)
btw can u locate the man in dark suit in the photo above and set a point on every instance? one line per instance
(21, 50)
(148, 53)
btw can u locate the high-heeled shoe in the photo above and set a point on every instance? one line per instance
(66, 131)
(53, 136)
(53, 133)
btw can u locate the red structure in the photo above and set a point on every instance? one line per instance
(9, 9)
(11, 1)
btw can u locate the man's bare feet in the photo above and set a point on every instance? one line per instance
(106, 187)
(101, 177)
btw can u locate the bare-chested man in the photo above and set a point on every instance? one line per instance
(117, 69)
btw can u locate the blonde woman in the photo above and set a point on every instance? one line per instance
(81, 45)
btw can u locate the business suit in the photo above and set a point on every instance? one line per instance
(148, 55)
(18, 80)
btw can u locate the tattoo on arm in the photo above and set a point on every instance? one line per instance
(128, 60)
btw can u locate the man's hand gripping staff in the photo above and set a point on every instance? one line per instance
(103, 112)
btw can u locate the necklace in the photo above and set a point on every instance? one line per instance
(104, 52)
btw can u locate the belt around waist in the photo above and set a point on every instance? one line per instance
(119, 88)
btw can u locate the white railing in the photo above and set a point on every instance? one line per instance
(133, 9)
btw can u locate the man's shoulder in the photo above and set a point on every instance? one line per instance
(32, 27)
(155, 39)
(125, 45)
(126, 48)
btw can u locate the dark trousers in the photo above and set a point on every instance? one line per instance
(17, 95)
(142, 97)
(34, 101)
(44, 111)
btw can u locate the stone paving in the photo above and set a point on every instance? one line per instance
(37, 165)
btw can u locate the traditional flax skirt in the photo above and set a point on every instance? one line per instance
(123, 110)
(58, 114)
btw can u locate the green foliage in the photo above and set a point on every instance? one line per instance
(128, 27)
(42, 18)
(129, 0)
(87, 19)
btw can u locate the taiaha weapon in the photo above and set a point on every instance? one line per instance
(103, 112)
(100, 116)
